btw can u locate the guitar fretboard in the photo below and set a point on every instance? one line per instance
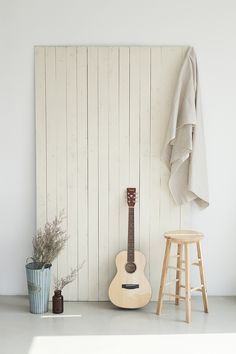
(130, 253)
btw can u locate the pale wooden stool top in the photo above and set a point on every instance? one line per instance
(180, 236)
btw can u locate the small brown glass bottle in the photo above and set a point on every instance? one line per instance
(57, 302)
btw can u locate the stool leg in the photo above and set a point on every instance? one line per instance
(178, 272)
(187, 284)
(163, 276)
(202, 277)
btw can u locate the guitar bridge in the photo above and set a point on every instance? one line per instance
(130, 286)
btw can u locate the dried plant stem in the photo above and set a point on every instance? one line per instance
(59, 284)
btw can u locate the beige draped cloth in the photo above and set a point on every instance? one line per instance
(184, 146)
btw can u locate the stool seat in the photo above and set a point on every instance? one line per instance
(180, 236)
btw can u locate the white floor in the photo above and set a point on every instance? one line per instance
(91, 327)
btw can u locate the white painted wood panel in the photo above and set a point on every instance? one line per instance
(101, 116)
(124, 133)
(93, 221)
(103, 178)
(144, 155)
(51, 142)
(72, 161)
(60, 106)
(113, 162)
(156, 240)
(134, 133)
(41, 137)
(82, 170)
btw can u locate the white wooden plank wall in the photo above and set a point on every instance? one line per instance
(101, 116)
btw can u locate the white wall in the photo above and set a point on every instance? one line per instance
(207, 25)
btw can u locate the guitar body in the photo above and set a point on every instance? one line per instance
(130, 290)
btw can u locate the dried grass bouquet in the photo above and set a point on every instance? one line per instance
(49, 242)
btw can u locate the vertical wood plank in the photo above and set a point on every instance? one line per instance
(114, 195)
(172, 58)
(40, 117)
(144, 171)
(164, 211)
(156, 238)
(185, 209)
(71, 113)
(51, 127)
(165, 216)
(134, 131)
(61, 132)
(124, 142)
(103, 91)
(82, 193)
(51, 133)
(93, 172)
(186, 216)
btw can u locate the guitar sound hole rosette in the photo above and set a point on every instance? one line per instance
(130, 267)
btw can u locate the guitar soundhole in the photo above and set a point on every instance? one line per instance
(130, 267)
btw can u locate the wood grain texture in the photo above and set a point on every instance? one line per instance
(101, 116)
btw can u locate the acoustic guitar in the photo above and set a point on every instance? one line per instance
(130, 288)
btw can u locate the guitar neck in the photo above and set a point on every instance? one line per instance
(130, 253)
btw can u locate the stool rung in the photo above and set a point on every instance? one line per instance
(193, 289)
(175, 268)
(197, 262)
(176, 296)
(172, 282)
(196, 289)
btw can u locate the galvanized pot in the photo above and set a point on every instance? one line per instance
(38, 281)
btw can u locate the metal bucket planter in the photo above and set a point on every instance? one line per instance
(38, 280)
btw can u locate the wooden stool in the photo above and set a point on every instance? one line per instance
(183, 238)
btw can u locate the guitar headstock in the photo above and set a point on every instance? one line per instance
(131, 196)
